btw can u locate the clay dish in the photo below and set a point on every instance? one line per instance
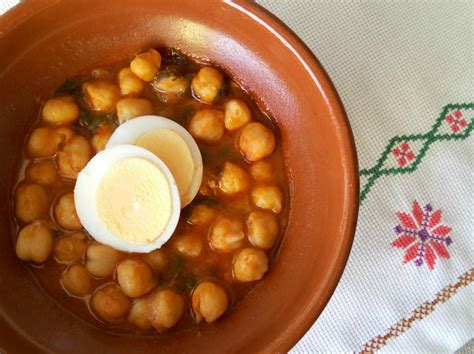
(44, 42)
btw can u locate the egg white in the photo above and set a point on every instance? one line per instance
(130, 131)
(85, 193)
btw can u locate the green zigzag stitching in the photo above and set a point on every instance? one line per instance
(376, 172)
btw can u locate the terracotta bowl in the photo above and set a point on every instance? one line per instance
(44, 42)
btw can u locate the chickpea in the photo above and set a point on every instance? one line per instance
(157, 260)
(43, 142)
(76, 281)
(146, 65)
(209, 301)
(60, 110)
(131, 107)
(134, 277)
(262, 170)
(101, 95)
(42, 172)
(256, 141)
(101, 73)
(138, 315)
(207, 125)
(237, 114)
(74, 156)
(173, 84)
(233, 179)
(35, 242)
(262, 229)
(167, 97)
(101, 259)
(70, 248)
(227, 234)
(267, 196)
(129, 83)
(101, 138)
(250, 264)
(65, 213)
(31, 202)
(207, 83)
(65, 133)
(110, 303)
(188, 245)
(165, 309)
(202, 215)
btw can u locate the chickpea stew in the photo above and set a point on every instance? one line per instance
(226, 239)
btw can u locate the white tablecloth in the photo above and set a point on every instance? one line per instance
(405, 72)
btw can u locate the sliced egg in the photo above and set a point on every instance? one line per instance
(127, 198)
(171, 143)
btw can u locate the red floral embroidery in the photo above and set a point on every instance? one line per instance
(404, 154)
(456, 121)
(422, 236)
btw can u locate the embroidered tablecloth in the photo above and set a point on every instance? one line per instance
(405, 72)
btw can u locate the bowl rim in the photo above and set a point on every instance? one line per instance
(28, 8)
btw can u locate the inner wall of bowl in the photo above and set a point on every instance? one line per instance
(64, 40)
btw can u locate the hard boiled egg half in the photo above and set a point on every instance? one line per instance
(127, 198)
(171, 143)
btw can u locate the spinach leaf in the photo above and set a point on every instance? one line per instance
(168, 71)
(179, 58)
(209, 202)
(86, 118)
(178, 263)
(186, 282)
(222, 92)
(70, 87)
(93, 121)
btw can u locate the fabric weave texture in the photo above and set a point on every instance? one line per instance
(405, 73)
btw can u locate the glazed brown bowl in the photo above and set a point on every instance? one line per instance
(44, 42)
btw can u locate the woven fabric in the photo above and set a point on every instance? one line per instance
(5, 5)
(405, 73)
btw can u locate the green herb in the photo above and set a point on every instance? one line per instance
(190, 282)
(178, 263)
(86, 118)
(186, 282)
(93, 121)
(179, 58)
(108, 119)
(225, 151)
(222, 92)
(209, 202)
(167, 72)
(70, 87)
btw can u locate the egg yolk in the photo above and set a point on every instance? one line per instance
(134, 200)
(171, 148)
